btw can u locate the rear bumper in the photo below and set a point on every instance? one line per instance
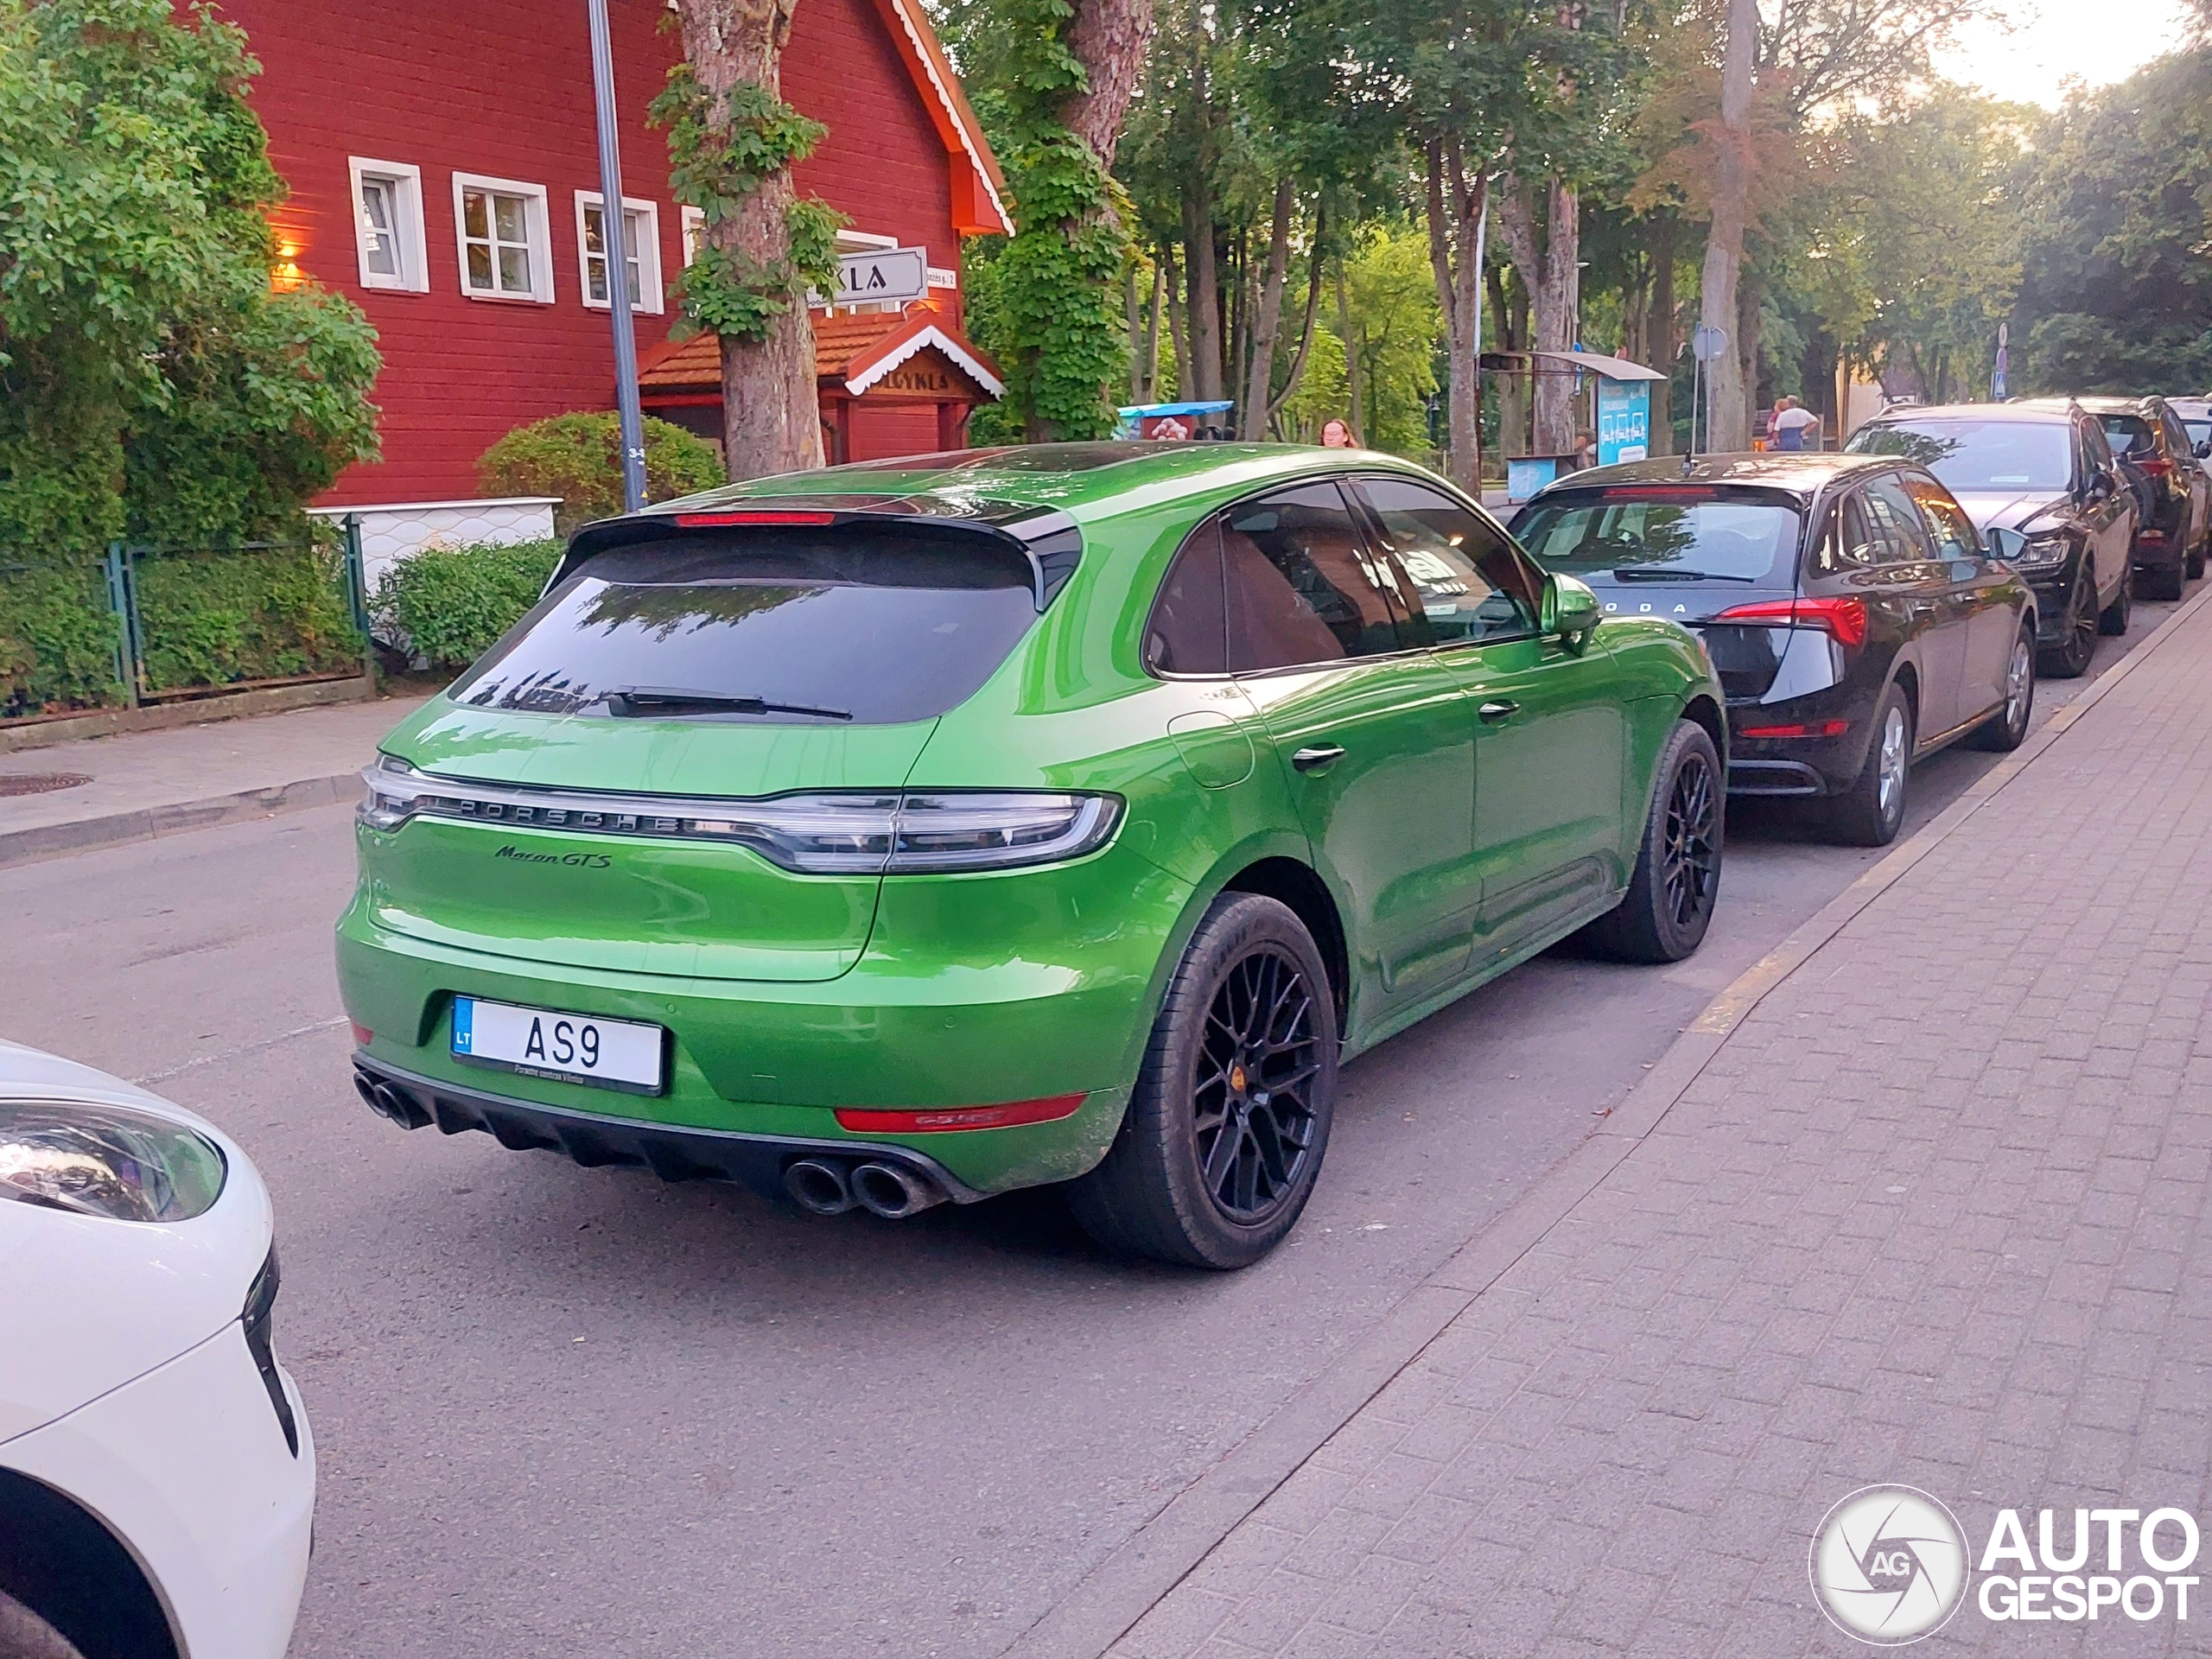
(594, 1139)
(1747, 776)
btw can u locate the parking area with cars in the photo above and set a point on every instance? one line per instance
(924, 1430)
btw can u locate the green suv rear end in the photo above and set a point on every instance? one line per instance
(917, 831)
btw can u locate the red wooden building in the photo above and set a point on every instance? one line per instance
(444, 176)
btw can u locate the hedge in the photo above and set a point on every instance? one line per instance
(579, 458)
(451, 604)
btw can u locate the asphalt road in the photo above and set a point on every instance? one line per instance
(568, 1411)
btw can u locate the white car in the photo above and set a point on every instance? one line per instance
(156, 1474)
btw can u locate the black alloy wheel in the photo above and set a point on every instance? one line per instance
(1668, 904)
(1252, 1110)
(2069, 659)
(1225, 1131)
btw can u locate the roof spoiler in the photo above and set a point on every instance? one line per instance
(1049, 539)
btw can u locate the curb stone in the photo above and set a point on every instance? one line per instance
(151, 822)
(1104, 1606)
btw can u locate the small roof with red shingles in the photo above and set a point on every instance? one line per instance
(854, 349)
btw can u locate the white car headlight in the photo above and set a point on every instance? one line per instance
(107, 1161)
(2041, 552)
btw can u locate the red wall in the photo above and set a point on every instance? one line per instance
(503, 87)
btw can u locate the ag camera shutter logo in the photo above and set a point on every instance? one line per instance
(1889, 1565)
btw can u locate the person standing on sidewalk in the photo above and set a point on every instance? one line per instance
(1793, 425)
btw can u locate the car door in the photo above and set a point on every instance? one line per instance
(2108, 509)
(1984, 594)
(1549, 728)
(1373, 733)
(2183, 453)
(1935, 619)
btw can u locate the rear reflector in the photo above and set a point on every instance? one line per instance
(713, 520)
(1845, 618)
(1816, 729)
(2150, 534)
(362, 1035)
(870, 1121)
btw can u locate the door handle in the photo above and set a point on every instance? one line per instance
(1491, 713)
(1319, 757)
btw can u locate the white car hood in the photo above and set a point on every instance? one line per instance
(90, 1304)
(2008, 508)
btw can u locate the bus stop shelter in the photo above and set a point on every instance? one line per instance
(1619, 392)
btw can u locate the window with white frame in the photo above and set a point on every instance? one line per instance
(388, 224)
(505, 250)
(640, 249)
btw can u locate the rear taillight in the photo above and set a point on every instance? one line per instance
(1812, 728)
(869, 1120)
(2156, 466)
(1845, 618)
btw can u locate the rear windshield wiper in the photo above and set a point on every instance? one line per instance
(646, 700)
(1654, 573)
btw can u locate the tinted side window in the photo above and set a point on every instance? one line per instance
(1468, 584)
(1303, 585)
(1956, 535)
(1189, 630)
(1889, 505)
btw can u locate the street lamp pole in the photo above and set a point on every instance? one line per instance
(613, 242)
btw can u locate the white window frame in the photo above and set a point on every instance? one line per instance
(694, 220)
(406, 181)
(536, 229)
(647, 252)
(851, 241)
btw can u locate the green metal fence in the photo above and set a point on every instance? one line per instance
(148, 623)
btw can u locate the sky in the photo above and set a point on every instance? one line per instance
(2098, 40)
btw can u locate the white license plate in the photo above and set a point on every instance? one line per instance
(544, 1043)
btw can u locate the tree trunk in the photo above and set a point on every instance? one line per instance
(1455, 208)
(1750, 302)
(1151, 361)
(1259, 387)
(1724, 244)
(1178, 333)
(1512, 309)
(1108, 39)
(1205, 288)
(1314, 263)
(1549, 263)
(1240, 322)
(1135, 325)
(1665, 345)
(1355, 417)
(771, 417)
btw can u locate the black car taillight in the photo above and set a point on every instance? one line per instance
(260, 1306)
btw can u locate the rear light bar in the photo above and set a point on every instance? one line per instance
(1845, 618)
(1812, 728)
(714, 520)
(2157, 466)
(2150, 534)
(952, 1118)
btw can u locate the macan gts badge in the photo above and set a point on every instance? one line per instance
(915, 831)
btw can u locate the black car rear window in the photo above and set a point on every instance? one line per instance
(1665, 533)
(858, 624)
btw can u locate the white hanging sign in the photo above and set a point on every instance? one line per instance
(879, 277)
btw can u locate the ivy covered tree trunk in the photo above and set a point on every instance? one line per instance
(732, 144)
(1073, 71)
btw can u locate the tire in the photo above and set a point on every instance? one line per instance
(2007, 728)
(2070, 659)
(1868, 814)
(2161, 584)
(1668, 904)
(24, 1635)
(1167, 1188)
(2111, 621)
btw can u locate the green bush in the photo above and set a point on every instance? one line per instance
(57, 638)
(452, 603)
(212, 618)
(579, 458)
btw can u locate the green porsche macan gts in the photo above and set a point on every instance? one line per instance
(920, 829)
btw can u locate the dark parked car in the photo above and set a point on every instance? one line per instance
(1853, 615)
(2046, 470)
(2149, 437)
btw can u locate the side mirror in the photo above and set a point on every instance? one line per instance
(1570, 610)
(2005, 543)
(2203, 450)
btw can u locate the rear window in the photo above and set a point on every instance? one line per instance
(1971, 455)
(1622, 537)
(839, 625)
(2130, 435)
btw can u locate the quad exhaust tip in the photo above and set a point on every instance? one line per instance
(390, 1103)
(818, 1186)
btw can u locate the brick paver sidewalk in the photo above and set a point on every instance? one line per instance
(1935, 1214)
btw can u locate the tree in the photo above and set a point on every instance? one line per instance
(153, 379)
(732, 143)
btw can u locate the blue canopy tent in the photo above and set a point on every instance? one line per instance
(1172, 420)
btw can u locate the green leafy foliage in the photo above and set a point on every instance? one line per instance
(213, 619)
(151, 381)
(578, 457)
(57, 638)
(718, 158)
(453, 603)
